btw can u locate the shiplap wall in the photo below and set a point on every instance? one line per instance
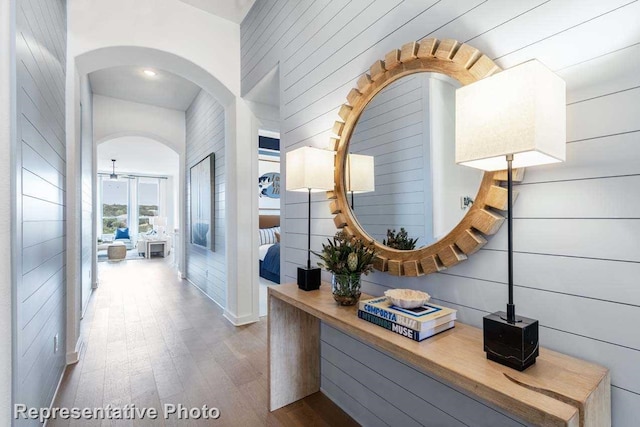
(205, 135)
(392, 130)
(86, 178)
(40, 214)
(576, 224)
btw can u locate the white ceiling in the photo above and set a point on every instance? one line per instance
(130, 83)
(138, 155)
(233, 10)
(267, 90)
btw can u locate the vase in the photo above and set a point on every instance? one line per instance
(346, 288)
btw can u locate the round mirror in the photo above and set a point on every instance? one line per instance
(395, 161)
(405, 190)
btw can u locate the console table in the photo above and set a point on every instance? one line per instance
(558, 390)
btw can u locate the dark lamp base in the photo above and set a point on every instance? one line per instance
(308, 278)
(511, 344)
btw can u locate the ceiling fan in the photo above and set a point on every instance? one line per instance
(113, 175)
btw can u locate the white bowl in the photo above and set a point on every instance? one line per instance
(407, 298)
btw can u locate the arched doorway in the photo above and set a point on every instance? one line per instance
(242, 285)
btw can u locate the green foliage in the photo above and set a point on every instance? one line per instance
(400, 241)
(346, 255)
(147, 210)
(113, 210)
(109, 225)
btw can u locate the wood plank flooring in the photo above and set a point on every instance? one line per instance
(151, 339)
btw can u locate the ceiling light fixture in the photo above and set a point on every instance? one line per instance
(113, 171)
(149, 73)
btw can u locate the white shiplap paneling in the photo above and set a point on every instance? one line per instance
(576, 222)
(39, 303)
(205, 135)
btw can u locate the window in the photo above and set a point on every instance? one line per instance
(148, 201)
(115, 202)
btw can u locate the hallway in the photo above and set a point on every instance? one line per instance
(152, 339)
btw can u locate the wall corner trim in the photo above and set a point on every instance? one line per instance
(240, 320)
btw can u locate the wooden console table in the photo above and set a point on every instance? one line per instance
(558, 390)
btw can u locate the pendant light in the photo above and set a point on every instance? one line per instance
(113, 171)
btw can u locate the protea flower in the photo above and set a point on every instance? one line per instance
(352, 261)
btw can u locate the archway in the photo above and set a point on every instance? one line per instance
(242, 284)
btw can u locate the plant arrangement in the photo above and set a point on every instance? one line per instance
(400, 241)
(347, 258)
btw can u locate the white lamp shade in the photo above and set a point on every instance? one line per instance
(310, 168)
(359, 173)
(520, 111)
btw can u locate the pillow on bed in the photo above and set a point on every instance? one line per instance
(268, 235)
(278, 236)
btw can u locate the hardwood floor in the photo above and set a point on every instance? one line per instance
(152, 339)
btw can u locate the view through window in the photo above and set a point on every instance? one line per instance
(115, 201)
(148, 201)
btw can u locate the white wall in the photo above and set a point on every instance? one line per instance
(167, 25)
(450, 181)
(205, 135)
(575, 223)
(203, 48)
(268, 115)
(40, 201)
(87, 227)
(116, 117)
(7, 135)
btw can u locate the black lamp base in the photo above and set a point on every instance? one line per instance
(308, 278)
(511, 344)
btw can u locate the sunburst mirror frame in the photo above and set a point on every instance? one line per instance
(467, 65)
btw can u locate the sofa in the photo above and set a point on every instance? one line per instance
(120, 235)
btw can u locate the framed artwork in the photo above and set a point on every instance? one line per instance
(269, 180)
(202, 200)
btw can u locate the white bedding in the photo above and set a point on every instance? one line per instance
(262, 251)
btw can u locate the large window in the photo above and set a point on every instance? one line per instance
(148, 202)
(115, 203)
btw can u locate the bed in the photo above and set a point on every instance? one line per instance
(269, 249)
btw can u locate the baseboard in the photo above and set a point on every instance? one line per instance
(235, 321)
(241, 320)
(55, 394)
(74, 356)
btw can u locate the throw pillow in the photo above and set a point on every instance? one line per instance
(122, 233)
(268, 235)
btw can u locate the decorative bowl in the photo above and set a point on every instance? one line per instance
(407, 298)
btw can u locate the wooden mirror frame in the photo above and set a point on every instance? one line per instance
(466, 64)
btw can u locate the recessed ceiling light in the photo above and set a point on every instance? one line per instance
(150, 73)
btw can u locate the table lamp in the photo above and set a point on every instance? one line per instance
(516, 118)
(309, 169)
(159, 224)
(359, 174)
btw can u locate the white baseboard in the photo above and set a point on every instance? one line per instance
(55, 394)
(240, 320)
(74, 356)
(235, 321)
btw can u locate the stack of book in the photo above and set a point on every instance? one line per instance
(415, 323)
